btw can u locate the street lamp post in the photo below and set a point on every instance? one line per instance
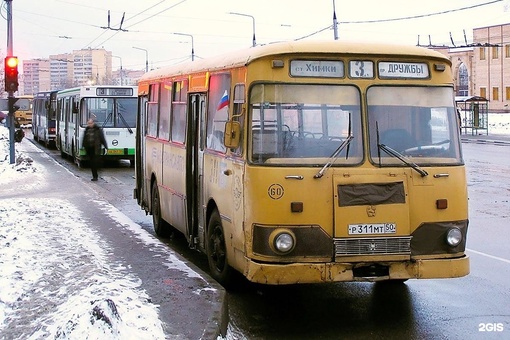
(146, 57)
(121, 78)
(192, 45)
(253, 18)
(335, 23)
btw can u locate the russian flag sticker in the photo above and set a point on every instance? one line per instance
(224, 101)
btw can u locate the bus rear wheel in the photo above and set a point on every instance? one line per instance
(217, 251)
(160, 226)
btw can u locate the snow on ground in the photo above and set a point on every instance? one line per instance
(499, 123)
(55, 278)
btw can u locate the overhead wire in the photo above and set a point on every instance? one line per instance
(420, 15)
(401, 18)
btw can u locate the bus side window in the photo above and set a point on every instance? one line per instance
(237, 114)
(152, 114)
(220, 100)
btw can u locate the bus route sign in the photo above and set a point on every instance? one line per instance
(391, 69)
(317, 68)
(109, 91)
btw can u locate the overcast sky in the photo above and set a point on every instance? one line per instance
(45, 27)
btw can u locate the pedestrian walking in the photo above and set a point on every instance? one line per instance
(93, 138)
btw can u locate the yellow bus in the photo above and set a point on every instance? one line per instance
(23, 116)
(308, 162)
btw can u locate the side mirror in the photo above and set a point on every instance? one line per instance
(232, 134)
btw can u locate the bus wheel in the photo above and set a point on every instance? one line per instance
(61, 147)
(217, 251)
(160, 226)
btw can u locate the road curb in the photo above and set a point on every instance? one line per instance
(485, 141)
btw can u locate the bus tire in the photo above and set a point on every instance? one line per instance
(217, 251)
(62, 153)
(161, 227)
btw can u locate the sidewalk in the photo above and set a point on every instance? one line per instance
(74, 267)
(497, 139)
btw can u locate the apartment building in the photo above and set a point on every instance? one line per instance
(59, 71)
(36, 76)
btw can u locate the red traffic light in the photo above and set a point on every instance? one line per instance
(11, 62)
(11, 74)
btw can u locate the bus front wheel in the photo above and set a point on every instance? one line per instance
(160, 225)
(217, 251)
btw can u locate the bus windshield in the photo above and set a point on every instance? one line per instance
(305, 124)
(111, 112)
(24, 104)
(417, 122)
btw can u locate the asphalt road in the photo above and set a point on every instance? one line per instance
(473, 307)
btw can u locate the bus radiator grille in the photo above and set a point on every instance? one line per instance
(373, 246)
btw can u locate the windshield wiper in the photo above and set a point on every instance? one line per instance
(107, 119)
(334, 156)
(403, 158)
(119, 106)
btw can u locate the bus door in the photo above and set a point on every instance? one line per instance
(194, 167)
(67, 117)
(142, 195)
(76, 119)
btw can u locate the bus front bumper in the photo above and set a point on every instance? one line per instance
(278, 274)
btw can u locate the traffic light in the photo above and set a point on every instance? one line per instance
(11, 74)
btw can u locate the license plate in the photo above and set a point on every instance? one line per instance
(372, 228)
(115, 152)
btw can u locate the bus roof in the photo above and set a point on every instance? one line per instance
(245, 56)
(88, 89)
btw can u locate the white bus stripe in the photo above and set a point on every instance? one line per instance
(487, 255)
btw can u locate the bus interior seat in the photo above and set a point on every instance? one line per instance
(398, 139)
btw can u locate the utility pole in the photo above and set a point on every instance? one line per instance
(146, 57)
(254, 40)
(335, 23)
(10, 97)
(192, 44)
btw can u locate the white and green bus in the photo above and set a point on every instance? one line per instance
(114, 109)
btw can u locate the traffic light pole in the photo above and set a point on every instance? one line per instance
(10, 117)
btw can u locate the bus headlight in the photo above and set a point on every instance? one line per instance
(454, 237)
(283, 241)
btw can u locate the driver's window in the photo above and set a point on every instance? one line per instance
(439, 125)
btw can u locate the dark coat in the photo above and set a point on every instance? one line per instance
(93, 138)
